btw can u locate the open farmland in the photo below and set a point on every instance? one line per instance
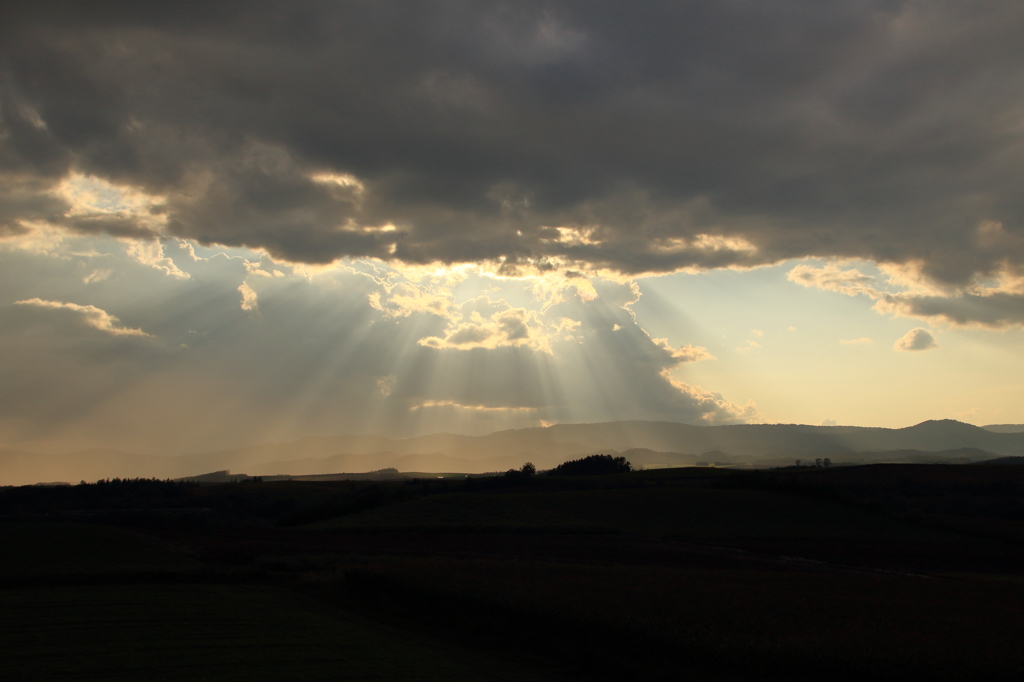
(722, 575)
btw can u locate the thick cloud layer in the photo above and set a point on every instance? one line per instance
(574, 135)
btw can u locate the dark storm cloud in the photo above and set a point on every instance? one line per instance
(881, 130)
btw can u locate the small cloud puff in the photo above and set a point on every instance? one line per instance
(687, 353)
(249, 300)
(386, 384)
(151, 253)
(91, 315)
(405, 299)
(916, 339)
(862, 341)
(475, 408)
(828, 422)
(832, 278)
(506, 326)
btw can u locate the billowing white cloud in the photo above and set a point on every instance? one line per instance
(916, 340)
(151, 253)
(405, 298)
(353, 347)
(714, 409)
(506, 326)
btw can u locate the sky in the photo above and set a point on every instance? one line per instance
(226, 223)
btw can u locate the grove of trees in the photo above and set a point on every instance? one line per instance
(592, 465)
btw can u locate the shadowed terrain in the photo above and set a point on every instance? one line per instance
(908, 571)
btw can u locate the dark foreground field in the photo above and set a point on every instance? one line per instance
(888, 571)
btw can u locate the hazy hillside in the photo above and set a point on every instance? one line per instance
(644, 443)
(1005, 428)
(562, 440)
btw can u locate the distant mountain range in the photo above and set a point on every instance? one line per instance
(1005, 428)
(647, 444)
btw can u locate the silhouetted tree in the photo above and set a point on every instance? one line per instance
(827, 462)
(526, 471)
(594, 464)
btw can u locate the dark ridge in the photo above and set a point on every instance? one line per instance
(1004, 460)
(1004, 428)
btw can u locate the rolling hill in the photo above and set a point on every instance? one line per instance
(644, 443)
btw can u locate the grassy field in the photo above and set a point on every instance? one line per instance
(784, 622)
(158, 630)
(651, 511)
(899, 572)
(217, 632)
(40, 549)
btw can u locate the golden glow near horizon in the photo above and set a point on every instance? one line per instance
(579, 346)
(199, 251)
